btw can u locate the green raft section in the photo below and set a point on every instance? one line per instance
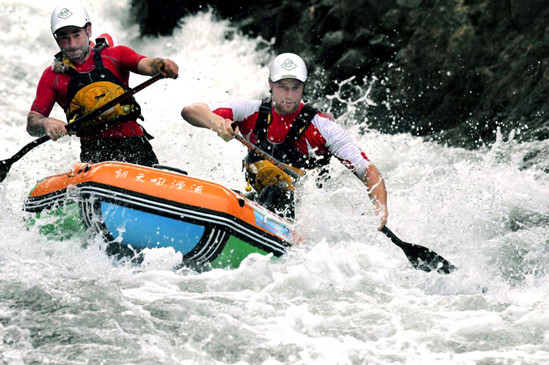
(64, 222)
(60, 223)
(234, 252)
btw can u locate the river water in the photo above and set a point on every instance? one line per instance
(346, 296)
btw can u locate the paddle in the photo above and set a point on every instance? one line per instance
(420, 257)
(267, 156)
(5, 165)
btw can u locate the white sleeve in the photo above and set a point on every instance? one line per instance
(340, 144)
(241, 108)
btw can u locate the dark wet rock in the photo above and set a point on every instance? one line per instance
(525, 11)
(354, 61)
(159, 18)
(409, 3)
(452, 71)
(392, 20)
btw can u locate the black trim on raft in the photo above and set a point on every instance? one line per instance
(114, 248)
(186, 213)
(35, 204)
(219, 226)
(206, 250)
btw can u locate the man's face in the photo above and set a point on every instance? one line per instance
(74, 42)
(287, 94)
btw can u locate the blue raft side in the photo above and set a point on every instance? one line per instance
(146, 230)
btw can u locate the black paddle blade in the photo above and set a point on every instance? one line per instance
(424, 259)
(5, 166)
(421, 257)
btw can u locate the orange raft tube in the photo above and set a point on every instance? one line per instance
(150, 207)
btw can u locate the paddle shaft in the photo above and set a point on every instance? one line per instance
(397, 241)
(268, 157)
(103, 108)
(76, 124)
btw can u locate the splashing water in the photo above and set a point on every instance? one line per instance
(347, 89)
(346, 296)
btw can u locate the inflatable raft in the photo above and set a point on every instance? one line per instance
(140, 207)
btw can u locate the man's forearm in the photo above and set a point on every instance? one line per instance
(376, 185)
(35, 127)
(149, 66)
(199, 115)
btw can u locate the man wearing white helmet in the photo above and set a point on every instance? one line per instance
(85, 76)
(292, 132)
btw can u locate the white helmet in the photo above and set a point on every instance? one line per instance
(69, 13)
(288, 66)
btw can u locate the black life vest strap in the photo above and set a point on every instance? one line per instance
(302, 121)
(100, 43)
(107, 75)
(285, 151)
(264, 119)
(79, 80)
